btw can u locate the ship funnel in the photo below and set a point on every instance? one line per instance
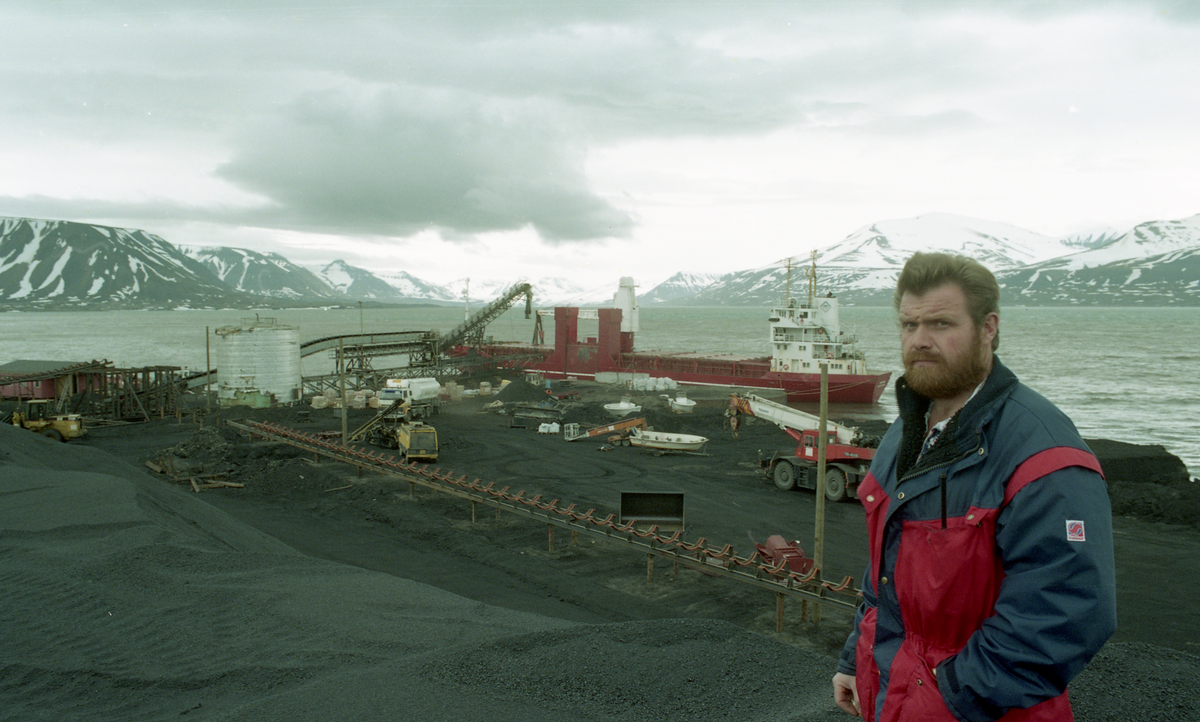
(626, 300)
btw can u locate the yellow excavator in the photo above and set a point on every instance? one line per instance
(38, 416)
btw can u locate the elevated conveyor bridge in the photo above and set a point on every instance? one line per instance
(424, 353)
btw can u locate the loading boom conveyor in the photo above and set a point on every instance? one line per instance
(755, 570)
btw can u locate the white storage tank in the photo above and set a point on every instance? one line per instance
(258, 361)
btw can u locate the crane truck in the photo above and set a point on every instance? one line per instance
(848, 452)
(620, 431)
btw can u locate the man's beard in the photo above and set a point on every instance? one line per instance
(950, 377)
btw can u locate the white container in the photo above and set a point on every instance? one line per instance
(260, 357)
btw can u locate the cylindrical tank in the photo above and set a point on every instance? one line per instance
(626, 299)
(423, 389)
(260, 358)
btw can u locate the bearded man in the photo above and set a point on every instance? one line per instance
(990, 582)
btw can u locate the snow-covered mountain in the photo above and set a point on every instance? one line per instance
(57, 265)
(60, 264)
(681, 286)
(359, 284)
(267, 274)
(887, 244)
(1157, 263)
(1144, 241)
(547, 291)
(1095, 238)
(863, 268)
(411, 287)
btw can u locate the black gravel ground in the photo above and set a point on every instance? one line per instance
(313, 593)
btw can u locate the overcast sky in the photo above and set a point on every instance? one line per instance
(592, 140)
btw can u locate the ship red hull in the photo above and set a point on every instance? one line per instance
(698, 370)
(843, 388)
(611, 351)
(755, 373)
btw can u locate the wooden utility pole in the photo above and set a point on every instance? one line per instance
(819, 533)
(207, 373)
(342, 375)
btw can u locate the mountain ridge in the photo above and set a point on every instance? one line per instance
(57, 265)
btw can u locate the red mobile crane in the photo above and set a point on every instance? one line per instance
(847, 451)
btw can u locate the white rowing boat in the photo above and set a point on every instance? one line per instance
(666, 441)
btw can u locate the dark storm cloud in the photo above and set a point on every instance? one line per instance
(398, 162)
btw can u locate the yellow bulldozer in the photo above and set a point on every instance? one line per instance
(38, 416)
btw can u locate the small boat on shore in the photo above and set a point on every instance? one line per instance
(624, 407)
(666, 441)
(681, 404)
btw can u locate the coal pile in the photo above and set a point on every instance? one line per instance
(522, 392)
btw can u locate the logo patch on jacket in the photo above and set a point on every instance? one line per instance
(1075, 530)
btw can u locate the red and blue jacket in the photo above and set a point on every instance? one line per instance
(991, 562)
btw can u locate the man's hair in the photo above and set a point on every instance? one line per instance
(927, 271)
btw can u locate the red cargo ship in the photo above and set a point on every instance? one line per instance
(803, 336)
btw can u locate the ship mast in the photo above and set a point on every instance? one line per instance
(787, 292)
(812, 279)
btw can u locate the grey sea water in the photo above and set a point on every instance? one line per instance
(1128, 374)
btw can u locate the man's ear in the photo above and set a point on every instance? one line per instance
(991, 327)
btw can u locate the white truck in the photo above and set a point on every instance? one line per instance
(847, 451)
(419, 397)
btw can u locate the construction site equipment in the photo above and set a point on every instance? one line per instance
(422, 395)
(389, 415)
(527, 415)
(780, 552)
(847, 454)
(572, 432)
(427, 353)
(417, 441)
(38, 416)
(390, 428)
